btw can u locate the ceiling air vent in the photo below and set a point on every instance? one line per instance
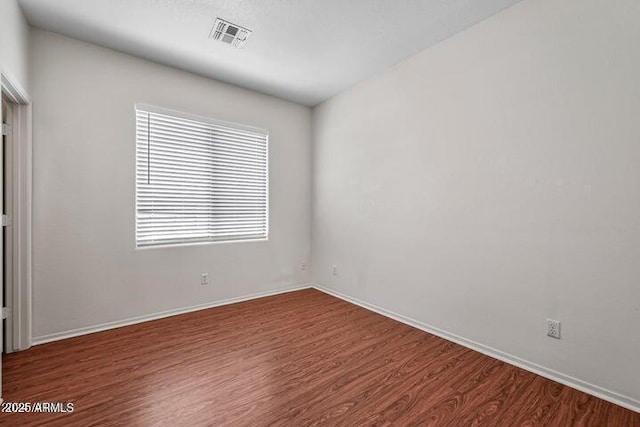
(229, 33)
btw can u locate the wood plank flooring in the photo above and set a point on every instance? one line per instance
(298, 359)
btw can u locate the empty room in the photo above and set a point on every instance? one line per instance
(320, 213)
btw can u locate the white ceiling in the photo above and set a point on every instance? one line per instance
(302, 50)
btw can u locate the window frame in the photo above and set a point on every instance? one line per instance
(207, 120)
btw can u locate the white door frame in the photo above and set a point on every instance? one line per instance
(7, 247)
(22, 210)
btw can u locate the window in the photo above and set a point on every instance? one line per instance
(199, 180)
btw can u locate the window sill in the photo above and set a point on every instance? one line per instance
(182, 245)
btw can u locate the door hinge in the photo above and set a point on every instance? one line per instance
(6, 312)
(6, 221)
(6, 129)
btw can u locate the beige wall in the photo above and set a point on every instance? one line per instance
(493, 181)
(14, 42)
(86, 270)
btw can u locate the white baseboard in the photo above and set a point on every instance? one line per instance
(159, 315)
(567, 380)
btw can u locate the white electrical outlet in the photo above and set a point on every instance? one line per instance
(303, 266)
(553, 328)
(204, 279)
(334, 270)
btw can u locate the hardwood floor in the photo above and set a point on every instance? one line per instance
(298, 359)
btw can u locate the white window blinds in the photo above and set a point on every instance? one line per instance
(198, 180)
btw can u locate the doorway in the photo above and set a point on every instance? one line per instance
(16, 204)
(6, 207)
(16, 211)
